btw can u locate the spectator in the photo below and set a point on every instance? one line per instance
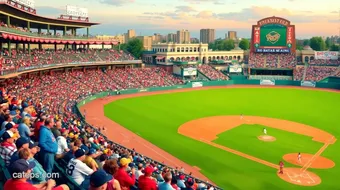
(56, 130)
(37, 169)
(48, 145)
(111, 168)
(146, 181)
(24, 130)
(7, 147)
(102, 159)
(89, 159)
(78, 170)
(166, 185)
(139, 171)
(7, 119)
(11, 126)
(21, 143)
(20, 181)
(62, 144)
(100, 180)
(40, 122)
(181, 182)
(125, 180)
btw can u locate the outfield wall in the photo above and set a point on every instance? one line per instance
(216, 83)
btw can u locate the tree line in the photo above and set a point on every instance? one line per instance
(317, 43)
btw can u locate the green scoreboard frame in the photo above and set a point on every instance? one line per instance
(273, 35)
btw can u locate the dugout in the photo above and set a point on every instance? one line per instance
(281, 74)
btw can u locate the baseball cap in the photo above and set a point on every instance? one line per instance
(63, 130)
(79, 153)
(7, 135)
(21, 141)
(181, 177)
(33, 144)
(99, 178)
(124, 161)
(148, 170)
(85, 148)
(92, 151)
(13, 113)
(11, 125)
(20, 166)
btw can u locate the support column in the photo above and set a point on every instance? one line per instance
(75, 32)
(88, 46)
(9, 48)
(48, 29)
(102, 46)
(64, 32)
(87, 32)
(55, 47)
(55, 32)
(24, 47)
(40, 46)
(28, 25)
(111, 46)
(29, 48)
(39, 30)
(1, 48)
(17, 46)
(8, 20)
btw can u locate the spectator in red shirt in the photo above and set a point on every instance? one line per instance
(146, 181)
(38, 124)
(125, 180)
(19, 181)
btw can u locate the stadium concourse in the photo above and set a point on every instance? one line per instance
(31, 105)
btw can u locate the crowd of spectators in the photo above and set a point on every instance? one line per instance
(317, 73)
(272, 60)
(21, 58)
(298, 72)
(212, 73)
(39, 127)
(324, 62)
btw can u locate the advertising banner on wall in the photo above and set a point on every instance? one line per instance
(189, 71)
(267, 82)
(28, 3)
(327, 55)
(235, 69)
(308, 83)
(76, 11)
(197, 84)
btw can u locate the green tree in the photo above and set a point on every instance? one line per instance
(328, 43)
(221, 44)
(306, 42)
(244, 44)
(334, 47)
(317, 44)
(135, 47)
(228, 45)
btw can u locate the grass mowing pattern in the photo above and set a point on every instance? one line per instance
(157, 118)
(286, 142)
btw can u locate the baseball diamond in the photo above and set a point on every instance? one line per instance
(201, 129)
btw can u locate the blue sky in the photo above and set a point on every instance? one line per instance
(311, 17)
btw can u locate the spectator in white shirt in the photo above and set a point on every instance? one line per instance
(139, 171)
(78, 170)
(62, 144)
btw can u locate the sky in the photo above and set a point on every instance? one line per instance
(310, 17)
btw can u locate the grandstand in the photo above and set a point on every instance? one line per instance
(47, 68)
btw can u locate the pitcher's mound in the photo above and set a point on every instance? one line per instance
(266, 138)
(300, 177)
(317, 162)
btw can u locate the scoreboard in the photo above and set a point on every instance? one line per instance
(273, 35)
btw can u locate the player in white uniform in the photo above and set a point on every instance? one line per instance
(78, 170)
(299, 157)
(241, 116)
(265, 131)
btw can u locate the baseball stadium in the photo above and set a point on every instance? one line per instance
(180, 117)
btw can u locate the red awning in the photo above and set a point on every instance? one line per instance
(41, 40)
(23, 38)
(57, 41)
(52, 41)
(4, 35)
(47, 41)
(115, 43)
(64, 41)
(28, 39)
(70, 41)
(84, 42)
(99, 42)
(91, 42)
(19, 38)
(107, 43)
(10, 36)
(77, 42)
(15, 37)
(159, 57)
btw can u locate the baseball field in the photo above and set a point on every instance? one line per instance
(220, 132)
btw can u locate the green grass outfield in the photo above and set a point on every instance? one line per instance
(157, 118)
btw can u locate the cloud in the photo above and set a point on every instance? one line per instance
(217, 2)
(334, 12)
(184, 9)
(115, 2)
(206, 15)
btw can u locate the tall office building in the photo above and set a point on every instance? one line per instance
(171, 38)
(207, 35)
(147, 41)
(130, 34)
(183, 37)
(232, 35)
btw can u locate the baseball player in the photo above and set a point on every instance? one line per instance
(299, 157)
(265, 131)
(281, 167)
(241, 116)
